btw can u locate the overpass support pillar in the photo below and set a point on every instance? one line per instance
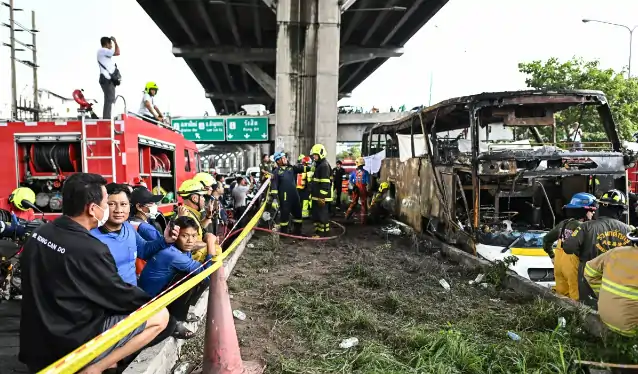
(307, 75)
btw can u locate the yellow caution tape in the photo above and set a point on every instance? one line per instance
(86, 353)
(528, 251)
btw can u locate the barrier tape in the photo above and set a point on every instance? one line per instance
(84, 354)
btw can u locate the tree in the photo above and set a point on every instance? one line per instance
(622, 94)
(352, 152)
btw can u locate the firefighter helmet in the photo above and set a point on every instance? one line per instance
(360, 161)
(582, 200)
(319, 150)
(613, 198)
(151, 86)
(301, 157)
(20, 194)
(384, 186)
(190, 187)
(278, 156)
(205, 179)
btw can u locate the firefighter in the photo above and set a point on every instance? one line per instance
(148, 110)
(193, 194)
(320, 190)
(377, 209)
(20, 199)
(612, 277)
(359, 182)
(596, 237)
(580, 209)
(283, 187)
(337, 181)
(302, 186)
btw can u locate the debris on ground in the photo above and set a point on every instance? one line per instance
(349, 343)
(385, 291)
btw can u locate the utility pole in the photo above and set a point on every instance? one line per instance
(12, 45)
(36, 102)
(15, 26)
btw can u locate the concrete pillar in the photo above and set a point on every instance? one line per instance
(328, 40)
(296, 75)
(307, 75)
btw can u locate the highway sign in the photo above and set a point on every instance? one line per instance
(201, 129)
(247, 129)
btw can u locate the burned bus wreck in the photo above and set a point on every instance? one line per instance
(488, 173)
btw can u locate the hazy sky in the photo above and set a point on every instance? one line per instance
(470, 46)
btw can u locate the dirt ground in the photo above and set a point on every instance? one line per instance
(302, 298)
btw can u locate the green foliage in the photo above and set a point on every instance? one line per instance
(352, 152)
(622, 94)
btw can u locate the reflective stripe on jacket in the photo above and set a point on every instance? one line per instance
(614, 278)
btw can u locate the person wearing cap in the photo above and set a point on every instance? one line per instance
(596, 237)
(612, 277)
(580, 209)
(144, 211)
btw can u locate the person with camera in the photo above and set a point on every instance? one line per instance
(109, 73)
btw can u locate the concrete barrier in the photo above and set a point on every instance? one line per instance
(161, 358)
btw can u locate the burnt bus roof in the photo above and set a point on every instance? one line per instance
(453, 114)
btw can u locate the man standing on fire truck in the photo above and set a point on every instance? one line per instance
(321, 190)
(359, 182)
(108, 72)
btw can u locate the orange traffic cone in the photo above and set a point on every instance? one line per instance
(221, 347)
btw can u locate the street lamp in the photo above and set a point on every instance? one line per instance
(631, 36)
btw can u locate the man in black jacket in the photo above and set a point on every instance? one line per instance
(320, 191)
(71, 289)
(337, 179)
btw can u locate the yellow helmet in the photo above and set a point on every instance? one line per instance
(150, 86)
(319, 150)
(20, 194)
(384, 186)
(205, 179)
(360, 161)
(190, 187)
(301, 157)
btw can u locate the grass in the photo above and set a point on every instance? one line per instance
(390, 299)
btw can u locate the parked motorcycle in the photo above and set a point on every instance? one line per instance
(14, 233)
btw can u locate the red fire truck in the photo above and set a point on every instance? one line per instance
(41, 155)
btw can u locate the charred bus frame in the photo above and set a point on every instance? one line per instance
(461, 179)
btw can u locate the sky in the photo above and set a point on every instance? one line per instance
(468, 47)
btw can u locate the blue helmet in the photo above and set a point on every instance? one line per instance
(278, 156)
(582, 200)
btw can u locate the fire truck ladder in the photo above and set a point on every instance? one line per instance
(86, 142)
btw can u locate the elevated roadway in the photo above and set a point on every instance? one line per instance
(298, 57)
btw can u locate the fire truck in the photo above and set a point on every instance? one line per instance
(41, 155)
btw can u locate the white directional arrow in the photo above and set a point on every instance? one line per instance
(230, 136)
(246, 136)
(197, 135)
(264, 136)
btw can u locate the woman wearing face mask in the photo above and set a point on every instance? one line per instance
(125, 244)
(144, 212)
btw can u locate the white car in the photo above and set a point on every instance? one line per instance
(533, 263)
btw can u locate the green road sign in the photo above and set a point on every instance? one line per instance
(247, 129)
(201, 129)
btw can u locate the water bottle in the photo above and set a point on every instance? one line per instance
(239, 315)
(513, 336)
(349, 343)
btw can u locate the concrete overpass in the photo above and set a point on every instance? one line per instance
(295, 56)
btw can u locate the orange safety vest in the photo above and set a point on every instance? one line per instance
(301, 181)
(139, 263)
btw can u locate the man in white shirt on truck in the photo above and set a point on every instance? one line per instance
(148, 109)
(107, 69)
